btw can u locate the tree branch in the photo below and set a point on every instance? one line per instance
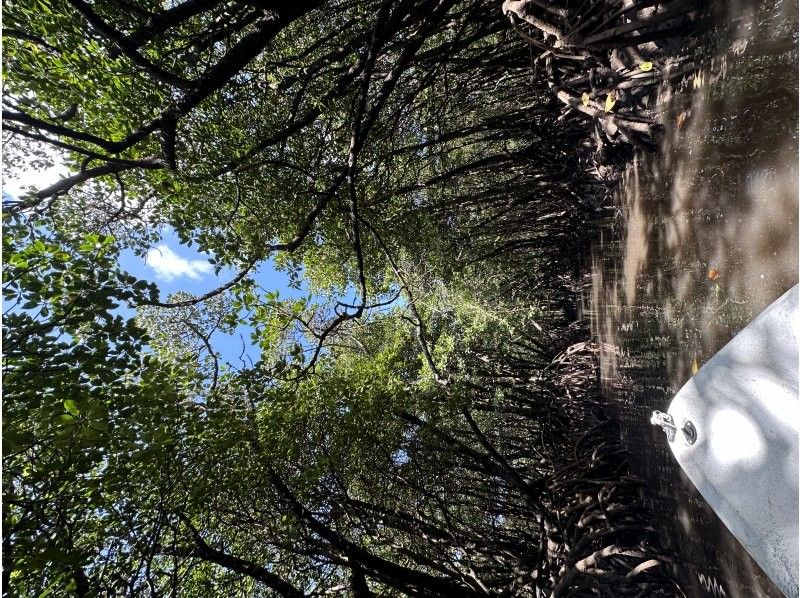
(126, 47)
(203, 551)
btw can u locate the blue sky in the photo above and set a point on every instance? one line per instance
(171, 266)
(174, 267)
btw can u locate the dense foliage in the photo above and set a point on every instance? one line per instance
(406, 430)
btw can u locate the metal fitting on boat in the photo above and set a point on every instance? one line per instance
(689, 431)
(665, 421)
(659, 418)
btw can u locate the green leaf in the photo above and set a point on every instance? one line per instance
(18, 261)
(101, 425)
(64, 420)
(72, 407)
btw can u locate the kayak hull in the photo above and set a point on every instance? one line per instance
(735, 435)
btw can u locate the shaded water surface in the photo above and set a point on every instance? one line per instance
(705, 236)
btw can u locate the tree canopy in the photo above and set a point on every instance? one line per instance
(409, 428)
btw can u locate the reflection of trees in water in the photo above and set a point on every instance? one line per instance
(721, 195)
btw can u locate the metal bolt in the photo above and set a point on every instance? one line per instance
(689, 432)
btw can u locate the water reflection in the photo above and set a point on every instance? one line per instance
(705, 237)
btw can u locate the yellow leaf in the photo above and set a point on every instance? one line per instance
(646, 66)
(585, 99)
(610, 101)
(694, 366)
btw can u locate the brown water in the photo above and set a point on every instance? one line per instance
(704, 237)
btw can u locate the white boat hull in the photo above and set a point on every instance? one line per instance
(743, 408)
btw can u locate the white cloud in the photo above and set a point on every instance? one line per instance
(168, 265)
